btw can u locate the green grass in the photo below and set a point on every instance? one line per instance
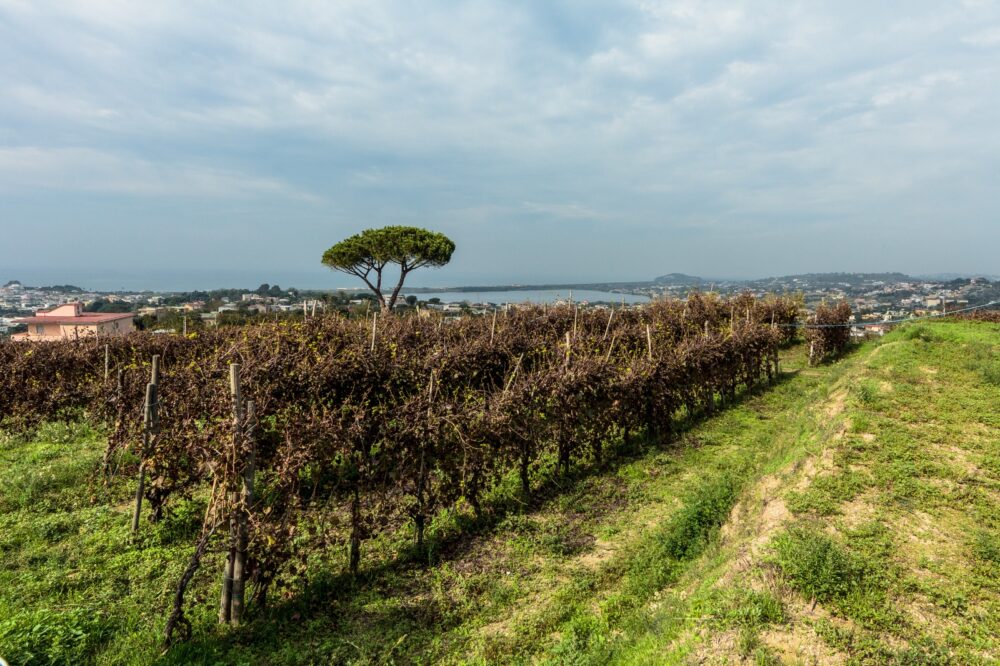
(661, 556)
(889, 553)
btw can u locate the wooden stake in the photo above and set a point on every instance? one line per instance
(374, 324)
(649, 342)
(148, 420)
(576, 311)
(185, 329)
(107, 361)
(493, 327)
(608, 327)
(513, 374)
(236, 393)
(243, 520)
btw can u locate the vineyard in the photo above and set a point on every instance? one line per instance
(382, 423)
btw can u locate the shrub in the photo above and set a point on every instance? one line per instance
(830, 334)
(816, 565)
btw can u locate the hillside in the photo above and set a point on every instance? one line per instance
(845, 514)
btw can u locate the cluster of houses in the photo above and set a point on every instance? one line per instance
(54, 313)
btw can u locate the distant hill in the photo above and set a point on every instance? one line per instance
(679, 278)
(832, 279)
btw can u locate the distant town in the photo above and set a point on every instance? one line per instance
(874, 297)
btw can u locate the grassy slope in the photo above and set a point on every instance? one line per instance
(884, 545)
(878, 471)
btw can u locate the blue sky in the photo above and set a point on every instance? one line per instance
(176, 144)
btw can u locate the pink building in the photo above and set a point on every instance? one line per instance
(70, 322)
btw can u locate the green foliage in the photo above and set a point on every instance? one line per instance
(745, 607)
(49, 470)
(372, 250)
(748, 611)
(919, 332)
(825, 494)
(987, 547)
(816, 565)
(866, 392)
(57, 638)
(985, 359)
(701, 516)
(104, 305)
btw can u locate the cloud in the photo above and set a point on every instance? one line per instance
(645, 124)
(86, 170)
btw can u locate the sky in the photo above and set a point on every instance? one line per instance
(175, 145)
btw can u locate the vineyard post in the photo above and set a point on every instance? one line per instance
(148, 419)
(420, 518)
(493, 327)
(242, 519)
(185, 329)
(777, 368)
(374, 324)
(649, 342)
(107, 361)
(608, 327)
(576, 311)
(611, 346)
(236, 392)
(568, 347)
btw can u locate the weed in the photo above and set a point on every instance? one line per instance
(919, 332)
(866, 392)
(745, 607)
(749, 611)
(824, 496)
(816, 565)
(47, 637)
(987, 547)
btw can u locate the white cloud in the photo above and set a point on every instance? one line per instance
(729, 114)
(988, 37)
(86, 170)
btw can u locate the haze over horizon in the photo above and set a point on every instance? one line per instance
(175, 146)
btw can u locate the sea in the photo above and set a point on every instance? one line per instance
(532, 296)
